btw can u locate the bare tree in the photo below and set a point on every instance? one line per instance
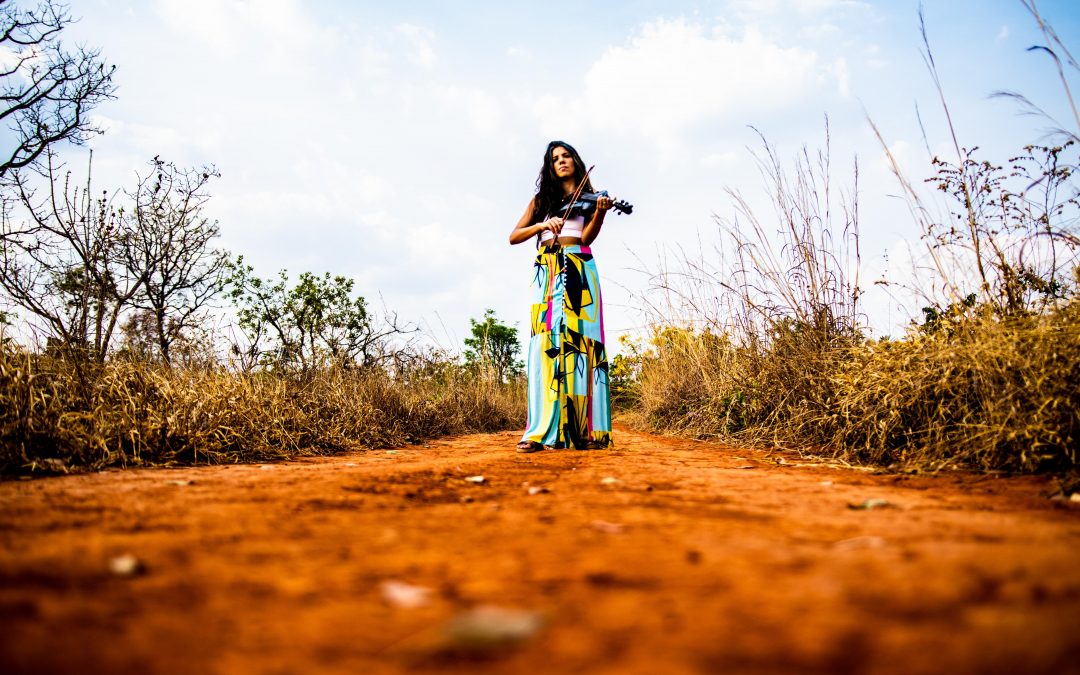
(63, 263)
(46, 92)
(169, 243)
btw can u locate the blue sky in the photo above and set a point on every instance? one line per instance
(398, 143)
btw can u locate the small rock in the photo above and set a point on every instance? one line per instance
(266, 466)
(126, 565)
(855, 543)
(474, 479)
(871, 504)
(179, 483)
(1074, 497)
(745, 466)
(826, 483)
(467, 499)
(406, 596)
(609, 480)
(489, 627)
(391, 452)
(606, 527)
(537, 490)
(55, 464)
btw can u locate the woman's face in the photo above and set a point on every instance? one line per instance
(562, 161)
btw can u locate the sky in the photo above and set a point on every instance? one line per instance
(399, 143)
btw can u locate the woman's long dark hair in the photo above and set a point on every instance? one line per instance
(549, 192)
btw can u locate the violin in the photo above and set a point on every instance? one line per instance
(586, 202)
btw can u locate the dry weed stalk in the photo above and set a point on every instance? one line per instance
(783, 360)
(766, 321)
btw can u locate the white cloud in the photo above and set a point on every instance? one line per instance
(817, 6)
(676, 74)
(819, 31)
(1003, 33)
(902, 153)
(719, 160)
(804, 7)
(233, 27)
(420, 40)
(147, 140)
(843, 80)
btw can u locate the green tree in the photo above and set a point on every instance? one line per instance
(313, 323)
(493, 348)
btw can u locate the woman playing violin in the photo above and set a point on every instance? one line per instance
(569, 400)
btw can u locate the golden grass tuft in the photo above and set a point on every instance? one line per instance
(989, 394)
(55, 415)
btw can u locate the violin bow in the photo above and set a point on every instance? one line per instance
(581, 185)
(577, 193)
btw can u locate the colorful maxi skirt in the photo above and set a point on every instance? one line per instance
(569, 400)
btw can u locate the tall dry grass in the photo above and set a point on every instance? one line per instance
(750, 332)
(762, 341)
(55, 416)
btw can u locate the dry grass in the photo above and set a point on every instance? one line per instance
(763, 341)
(988, 394)
(54, 415)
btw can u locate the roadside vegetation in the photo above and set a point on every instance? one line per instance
(763, 339)
(127, 338)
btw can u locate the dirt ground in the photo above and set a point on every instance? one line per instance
(662, 556)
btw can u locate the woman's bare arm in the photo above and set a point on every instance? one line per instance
(592, 228)
(526, 229)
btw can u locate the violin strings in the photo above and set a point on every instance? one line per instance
(577, 192)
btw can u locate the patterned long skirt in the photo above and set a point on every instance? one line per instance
(569, 400)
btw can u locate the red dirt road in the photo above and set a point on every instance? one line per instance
(663, 556)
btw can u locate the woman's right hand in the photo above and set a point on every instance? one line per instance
(553, 225)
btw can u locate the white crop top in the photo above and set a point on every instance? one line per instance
(572, 227)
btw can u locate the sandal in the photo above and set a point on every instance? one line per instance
(529, 446)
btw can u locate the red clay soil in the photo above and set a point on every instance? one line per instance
(663, 556)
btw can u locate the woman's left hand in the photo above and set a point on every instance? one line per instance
(604, 203)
